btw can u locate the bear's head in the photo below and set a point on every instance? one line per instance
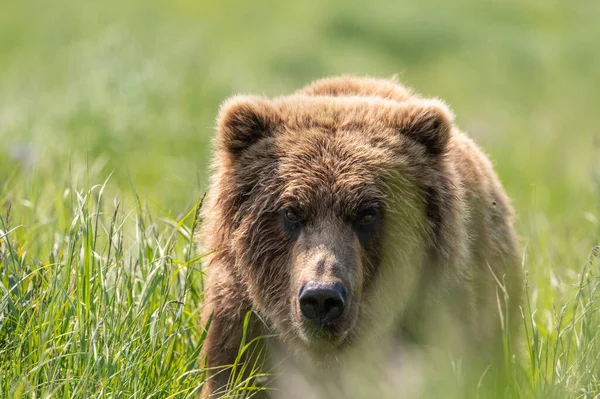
(324, 206)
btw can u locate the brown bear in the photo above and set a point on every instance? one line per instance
(352, 218)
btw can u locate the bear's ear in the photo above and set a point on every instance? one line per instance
(427, 121)
(243, 120)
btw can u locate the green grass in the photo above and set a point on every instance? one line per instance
(106, 114)
(103, 313)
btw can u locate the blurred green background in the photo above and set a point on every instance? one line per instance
(132, 88)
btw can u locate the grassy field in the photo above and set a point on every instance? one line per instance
(106, 114)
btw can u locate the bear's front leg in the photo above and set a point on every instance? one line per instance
(227, 313)
(220, 351)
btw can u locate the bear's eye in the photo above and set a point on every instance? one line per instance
(366, 222)
(292, 215)
(292, 219)
(367, 216)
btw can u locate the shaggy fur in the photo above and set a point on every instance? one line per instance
(430, 267)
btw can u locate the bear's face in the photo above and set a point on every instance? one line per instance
(316, 195)
(331, 216)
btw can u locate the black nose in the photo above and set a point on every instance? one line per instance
(322, 301)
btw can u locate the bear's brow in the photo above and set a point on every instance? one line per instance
(345, 201)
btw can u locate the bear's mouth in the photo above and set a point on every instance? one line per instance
(323, 336)
(327, 336)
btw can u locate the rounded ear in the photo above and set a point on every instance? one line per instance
(427, 121)
(243, 120)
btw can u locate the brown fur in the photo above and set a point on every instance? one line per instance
(442, 242)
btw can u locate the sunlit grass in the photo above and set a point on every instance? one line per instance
(109, 311)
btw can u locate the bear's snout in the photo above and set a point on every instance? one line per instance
(322, 302)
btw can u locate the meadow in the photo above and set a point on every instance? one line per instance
(106, 115)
